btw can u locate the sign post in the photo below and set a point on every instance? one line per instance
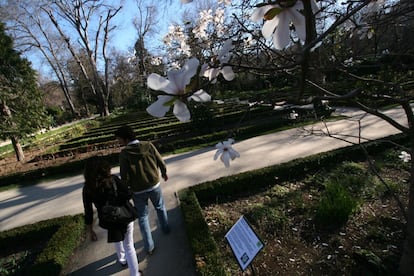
(244, 242)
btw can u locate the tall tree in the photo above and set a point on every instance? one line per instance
(21, 109)
(68, 28)
(33, 31)
(145, 25)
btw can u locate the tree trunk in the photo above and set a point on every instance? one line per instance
(17, 148)
(407, 258)
(310, 35)
(5, 111)
(103, 105)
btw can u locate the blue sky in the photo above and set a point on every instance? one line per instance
(126, 35)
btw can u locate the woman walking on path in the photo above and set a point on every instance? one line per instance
(98, 190)
(140, 166)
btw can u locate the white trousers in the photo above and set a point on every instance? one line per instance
(126, 251)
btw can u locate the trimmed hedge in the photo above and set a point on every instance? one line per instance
(65, 235)
(206, 255)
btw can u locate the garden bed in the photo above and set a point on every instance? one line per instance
(283, 216)
(321, 215)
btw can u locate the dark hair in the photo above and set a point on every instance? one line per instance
(125, 132)
(97, 174)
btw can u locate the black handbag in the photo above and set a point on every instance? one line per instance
(123, 214)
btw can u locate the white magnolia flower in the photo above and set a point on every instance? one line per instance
(278, 19)
(156, 61)
(293, 115)
(226, 151)
(212, 71)
(405, 156)
(176, 89)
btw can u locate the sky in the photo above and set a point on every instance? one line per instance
(126, 35)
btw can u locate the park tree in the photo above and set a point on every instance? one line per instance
(130, 71)
(62, 29)
(354, 52)
(21, 109)
(33, 31)
(145, 23)
(125, 80)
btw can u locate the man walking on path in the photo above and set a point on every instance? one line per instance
(140, 163)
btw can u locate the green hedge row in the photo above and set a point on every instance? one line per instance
(62, 234)
(206, 255)
(154, 129)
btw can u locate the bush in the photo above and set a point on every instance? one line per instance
(206, 254)
(65, 233)
(335, 206)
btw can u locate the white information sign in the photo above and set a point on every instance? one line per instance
(244, 242)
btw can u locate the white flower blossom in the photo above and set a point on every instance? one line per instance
(293, 115)
(226, 152)
(278, 19)
(176, 89)
(200, 31)
(176, 40)
(405, 156)
(219, 21)
(349, 61)
(211, 71)
(156, 61)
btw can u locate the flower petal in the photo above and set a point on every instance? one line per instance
(269, 27)
(299, 22)
(176, 82)
(233, 153)
(281, 37)
(203, 69)
(201, 96)
(228, 73)
(180, 78)
(181, 111)
(159, 108)
(217, 154)
(259, 12)
(157, 82)
(211, 73)
(225, 158)
(314, 5)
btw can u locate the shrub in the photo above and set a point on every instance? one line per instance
(206, 254)
(60, 247)
(65, 234)
(335, 206)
